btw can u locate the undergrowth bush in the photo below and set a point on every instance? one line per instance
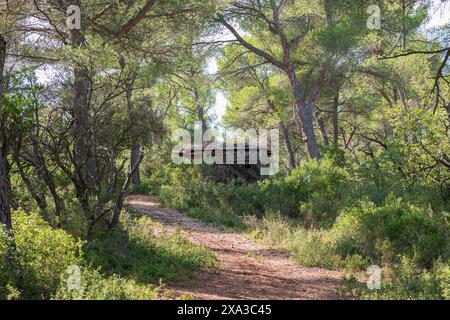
(395, 229)
(335, 215)
(216, 216)
(323, 189)
(405, 281)
(149, 185)
(313, 193)
(127, 263)
(133, 250)
(95, 286)
(43, 254)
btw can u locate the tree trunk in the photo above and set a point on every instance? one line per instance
(5, 183)
(135, 153)
(304, 111)
(46, 176)
(135, 145)
(5, 210)
(335, 117)
(83, 136)
(323, 130)
(200, 110)
(123, 192)
(38, 195)
(41, 167)
(289, 150)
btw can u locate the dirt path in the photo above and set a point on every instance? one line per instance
(248, 270)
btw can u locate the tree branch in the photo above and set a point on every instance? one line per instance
(127, 27)
(250, 47)
(405, 54)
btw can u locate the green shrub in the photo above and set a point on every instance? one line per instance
(383, 177)
(352, 264)
(312, 248)
(94, 286)
(326, 215)
(322, 189)
(314, 193)
(409, 282)
(204, 201)
(239, 197)
(43, 254)
(216, 216)
(397, 228)
(6, 279)
(149, 185)
(405, 281)
(75, 220)
(128, 261)
(272, 230)
(133, 250)
(173, 197)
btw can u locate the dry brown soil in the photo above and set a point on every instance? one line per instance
(247, 270)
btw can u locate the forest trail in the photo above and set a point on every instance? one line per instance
(247, 270)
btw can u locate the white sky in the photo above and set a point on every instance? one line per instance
(221, 100)
(440, 16)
